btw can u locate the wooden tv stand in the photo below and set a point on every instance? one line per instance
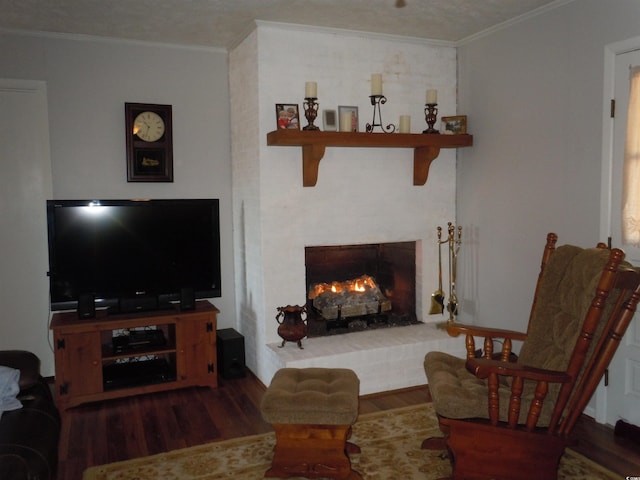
(91, 367)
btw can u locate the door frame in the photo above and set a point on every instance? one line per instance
(611, 51)
(27, 291)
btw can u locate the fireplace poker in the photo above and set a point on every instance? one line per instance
(454, 248)
(437, 297)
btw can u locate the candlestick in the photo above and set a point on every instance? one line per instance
(310, 112)
(431, 114)
(311, 90)
(376, 84)
(376, 101)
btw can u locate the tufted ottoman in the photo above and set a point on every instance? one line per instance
(311, 411)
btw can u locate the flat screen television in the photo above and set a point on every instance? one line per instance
(121, 250)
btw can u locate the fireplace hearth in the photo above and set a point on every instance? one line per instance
(353, 288)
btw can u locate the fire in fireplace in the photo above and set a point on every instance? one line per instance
(359, 287)
(351, 298)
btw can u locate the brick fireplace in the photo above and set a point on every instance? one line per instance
(363, 196)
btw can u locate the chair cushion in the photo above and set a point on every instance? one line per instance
(321, 396)
(566, 291)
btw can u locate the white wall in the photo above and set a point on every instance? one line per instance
(533, 93)
(362, 195)
(88, 81)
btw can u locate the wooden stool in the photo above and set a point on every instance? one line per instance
(312, 410)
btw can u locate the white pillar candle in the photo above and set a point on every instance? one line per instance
(405, 124)
(376, 84)
(432, 95)
(345, 122)
(311, 90)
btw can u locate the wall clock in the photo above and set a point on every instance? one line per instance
(149, 139)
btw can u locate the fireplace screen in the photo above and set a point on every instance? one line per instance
(359, 287)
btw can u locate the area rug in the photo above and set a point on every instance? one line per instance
(390, 443)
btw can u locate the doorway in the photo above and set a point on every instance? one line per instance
(25, 184)
(623, 391)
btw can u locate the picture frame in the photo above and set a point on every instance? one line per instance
(454, 125)
(149, 142)
(287, 116)
(344, 110)
(330, 120)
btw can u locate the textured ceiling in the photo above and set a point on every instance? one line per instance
(223, 23)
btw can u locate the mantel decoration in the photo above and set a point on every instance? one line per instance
(287, 116)
(377, 99)
(431, 111)
(330, 120)
(314, 142)
(455, 125)
(348, 116)
(310, 105)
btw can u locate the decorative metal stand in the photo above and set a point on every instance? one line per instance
(376, 101)
(453, 240)
(431, 115)
(310, 112)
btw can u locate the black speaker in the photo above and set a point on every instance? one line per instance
(86, 305)
(230, 345)
(143, 303)
(187, 299)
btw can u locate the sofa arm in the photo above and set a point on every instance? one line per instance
(27, 362)
(13, 467)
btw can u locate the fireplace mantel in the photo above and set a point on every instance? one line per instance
(426, 147)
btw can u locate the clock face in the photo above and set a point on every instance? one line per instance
(148, 126)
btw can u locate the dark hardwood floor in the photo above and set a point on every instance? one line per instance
(148, 424)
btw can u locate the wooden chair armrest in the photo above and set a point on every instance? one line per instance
(482, 368)
(489, 334)
(456, 329)
(492, 370)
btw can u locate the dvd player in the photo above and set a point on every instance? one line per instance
(138, 339)
(144, 372)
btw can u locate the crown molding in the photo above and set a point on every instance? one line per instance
(353, 33)
(79, 37)
(513, 21)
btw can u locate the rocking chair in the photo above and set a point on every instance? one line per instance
(503, 419)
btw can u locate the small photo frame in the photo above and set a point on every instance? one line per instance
(330, 120)
(287, 116)
(456, 125)
(348, 117)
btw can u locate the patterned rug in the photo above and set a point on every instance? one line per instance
(390, 443)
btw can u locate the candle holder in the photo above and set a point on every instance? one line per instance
(310, 112)
(376, 101)
(431, 115)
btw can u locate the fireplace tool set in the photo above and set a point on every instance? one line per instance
(453, 242)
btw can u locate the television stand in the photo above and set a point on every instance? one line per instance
(167, 349)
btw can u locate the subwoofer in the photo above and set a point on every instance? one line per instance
(231, 360)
